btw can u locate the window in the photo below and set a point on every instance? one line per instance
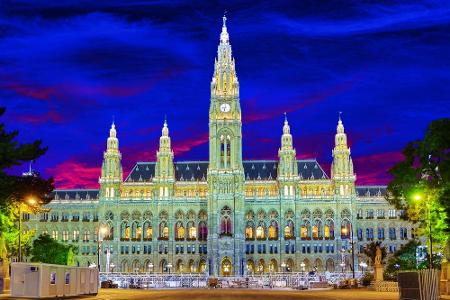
(55, 235)
(369, 214)
(289, 230)
(76, 235)
(392, 213)
(202, 231)
(380, 213)
(317, 230)
(381, 233)
(359, 214)
(304, 230)
(192, 231)
(225, 223)
(403, 233)
(65, 235)
(392, 233)
(328, 230)
(273, 230)
(260, 231)
(179, 231)
(249, 228)
(360, 234)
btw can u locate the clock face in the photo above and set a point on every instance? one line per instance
(225, 107)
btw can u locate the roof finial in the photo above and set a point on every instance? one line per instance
(285, 116)
(340, 113)
(165, 119)
(113, 120)
(224, 18)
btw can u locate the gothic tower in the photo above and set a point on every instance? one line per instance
(111, 176)
(164, 170)
(342, 166)
(287, 168)
(225, 172)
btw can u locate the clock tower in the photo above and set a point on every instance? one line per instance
(225, 172)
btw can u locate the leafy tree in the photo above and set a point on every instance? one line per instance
(370, 250)
(47, 250)
(16, 190)
(403, 259)
(421, 183)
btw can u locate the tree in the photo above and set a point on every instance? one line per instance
(47, 250)
(403, 259)
(15, 190)
(370, 250)
(421, 183)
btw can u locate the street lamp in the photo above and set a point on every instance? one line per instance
(302, 266)
(150, 267)
(419, 197)
(31, 202)
(363, 265)
(101, 231)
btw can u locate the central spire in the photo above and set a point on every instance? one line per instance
(224, 81)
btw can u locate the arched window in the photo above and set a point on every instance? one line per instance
(163, 231)
(317, 230)
(345, 229)
(328, 230)
(289, 230)
(179, 231)
(261, 231)
(225, 223)
(192, 230)
(225, 151)
(136, 231)
(249, 231)
(305, 230)
(273, 230)
(148, 231)
(202, 231)
(125, 231)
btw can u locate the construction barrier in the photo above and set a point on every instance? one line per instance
(37, 280)
(421, 285)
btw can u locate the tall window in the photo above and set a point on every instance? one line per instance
(261, 231)
(249, 231)
(289, 230)
(345, 229)
(328, 229)
(148, 231)
(273, 230)
(305, 230)
(202, 231)
(163, 230)
(225, 223)
(317, 230)
(179, 230)
(192, 230)
(225, 151)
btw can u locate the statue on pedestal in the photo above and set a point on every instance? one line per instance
(378, 265)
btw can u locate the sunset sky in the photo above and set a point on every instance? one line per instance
(68, 67)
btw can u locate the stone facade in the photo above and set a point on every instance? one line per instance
(224, 216)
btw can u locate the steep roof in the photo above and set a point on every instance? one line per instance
(308, 169)
(76, 194)
(371, 191)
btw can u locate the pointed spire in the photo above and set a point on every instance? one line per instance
(224, 37)
(165, 130)
(112, 131)
(224, 81)
(286, 128)
(340, 126)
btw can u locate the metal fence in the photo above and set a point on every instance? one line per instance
(272, 280)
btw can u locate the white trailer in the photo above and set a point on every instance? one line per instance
(38, 280)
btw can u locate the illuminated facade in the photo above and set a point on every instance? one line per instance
(224, 216)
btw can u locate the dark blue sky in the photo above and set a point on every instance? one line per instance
(67, 66)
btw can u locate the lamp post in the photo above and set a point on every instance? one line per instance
(419, 197)
(150, 267)
(100, 231)
(29, 201)
(363, 265)
(302, 266)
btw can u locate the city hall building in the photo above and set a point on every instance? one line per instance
(224, 216)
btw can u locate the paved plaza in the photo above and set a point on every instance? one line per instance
(238, 294)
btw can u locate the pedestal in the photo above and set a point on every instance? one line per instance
(378, 273)
(445, 279)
